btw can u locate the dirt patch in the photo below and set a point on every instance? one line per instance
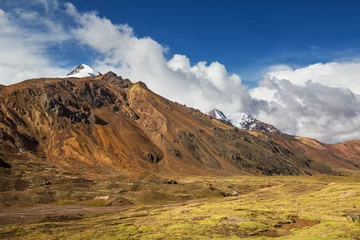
(347, 194)
(118, 201)
(182, 210)
(51, 213)
(233, 220)
(297, 223)
(271, 233)
(62, 218)
(286, 226)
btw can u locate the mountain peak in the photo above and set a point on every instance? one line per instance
(243, 121)
(83, 70)
(216, 113)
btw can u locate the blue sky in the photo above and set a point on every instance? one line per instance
(246, 36)
(260, 55)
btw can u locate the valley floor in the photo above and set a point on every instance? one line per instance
(319, 207)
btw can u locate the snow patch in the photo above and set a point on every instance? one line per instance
(83, 70)
(243, 121)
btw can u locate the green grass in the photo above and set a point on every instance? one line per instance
(265, 208)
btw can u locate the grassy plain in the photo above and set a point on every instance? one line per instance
(298, 207)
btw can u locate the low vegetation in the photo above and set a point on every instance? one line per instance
(299, 207)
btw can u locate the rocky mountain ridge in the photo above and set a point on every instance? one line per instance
(108, 126)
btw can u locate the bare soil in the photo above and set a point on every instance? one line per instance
(51, 212)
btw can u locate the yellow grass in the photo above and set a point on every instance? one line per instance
(264, 212)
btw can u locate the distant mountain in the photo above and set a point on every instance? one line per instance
(83, 70)
(243, 121)
(215, 113)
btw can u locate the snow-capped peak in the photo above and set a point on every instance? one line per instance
(83, 70)
(244, 121)
(215, 113)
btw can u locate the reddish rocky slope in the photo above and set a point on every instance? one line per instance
(106, 126)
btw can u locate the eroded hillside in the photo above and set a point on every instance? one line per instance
(107, 126)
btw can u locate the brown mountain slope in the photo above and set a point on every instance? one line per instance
(108, 126)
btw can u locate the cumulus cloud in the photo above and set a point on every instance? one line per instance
(202, 85)
(25, 38)
(314, 110)
(324, 108)
(333, 74)
(314, 101)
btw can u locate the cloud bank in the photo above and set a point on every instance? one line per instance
(314, 101)
(332, 74)
(24, 46)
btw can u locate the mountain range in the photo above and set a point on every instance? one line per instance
(102, 125)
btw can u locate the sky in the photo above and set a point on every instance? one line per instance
(294, 64)
(245, 36)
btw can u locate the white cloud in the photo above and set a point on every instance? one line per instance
(202, 85)
(299, 106)
(312, 109)
(279, 68)
(333, 74)
(314, 101)
(24, 49)
(322, 108)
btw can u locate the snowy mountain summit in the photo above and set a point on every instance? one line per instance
(83, 70)
(243, 121)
